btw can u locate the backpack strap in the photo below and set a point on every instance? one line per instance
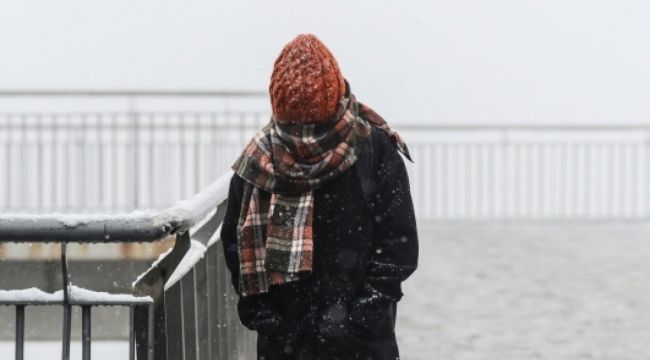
(366, 169)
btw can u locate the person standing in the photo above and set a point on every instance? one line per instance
(320, 230)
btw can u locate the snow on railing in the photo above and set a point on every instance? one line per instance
(191, 258)
(162, 325)
(77, 295)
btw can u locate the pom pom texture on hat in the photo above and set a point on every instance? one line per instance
(306, 84)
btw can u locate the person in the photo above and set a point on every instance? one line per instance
(320, 229)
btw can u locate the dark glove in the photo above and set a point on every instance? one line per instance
(266, 321)
(280, 332)
(336, 326)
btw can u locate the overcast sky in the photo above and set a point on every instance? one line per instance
(441, 61)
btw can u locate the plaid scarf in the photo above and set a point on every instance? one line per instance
(376, 120)
(282, 165)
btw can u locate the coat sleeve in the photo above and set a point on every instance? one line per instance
(395, 242)
(256, 312)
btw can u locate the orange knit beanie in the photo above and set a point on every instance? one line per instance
(306, 84)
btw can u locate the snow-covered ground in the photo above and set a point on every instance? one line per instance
(528, 292)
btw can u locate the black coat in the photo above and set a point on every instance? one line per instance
(363, 250)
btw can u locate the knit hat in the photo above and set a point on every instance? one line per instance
(306, 84)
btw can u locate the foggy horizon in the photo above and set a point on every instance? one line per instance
(428, 62)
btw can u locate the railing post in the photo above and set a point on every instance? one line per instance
(505, 152)
(131, 333)
(20, 331)
(644, 181)
(133, 116)
(142, 332)
(85, 332)
(67, 308)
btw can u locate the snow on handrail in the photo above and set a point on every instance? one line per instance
(194, 254)
(190, 257)
(36, 296)
(186, 213)
(137, 226)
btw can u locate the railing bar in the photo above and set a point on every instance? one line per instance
(196, 318)
(131, 333)
(610, 179)
(214, 140)
(86, 332)
(634, 177)
(135, 118)
(22, 157)
(516, 181)
(160, 344)
(20, 332)
(67, 319)
(67, 309)
(127, 93)
(433, 181)
(588, 188)
(9, 167)
(562, 201)
(533, 181)
(524, 184)
(64, 272)
(212, 261)
(197, 152)
(65, 188)
(523, 181)
(83, 145)
(150, 331)
(182, 154)
(437, 204)
(445, 180)
(113, 153)
(152, 158)
(545, 183)
(221, 314)
(468, 174)
(39, 162)
(55, 160)
(188, 318)
(576, 175)
(504, 178)
(490, 206)
(122, 126)
(100, 160)
(203, 308)
(645, 203)
(168, 153)
(623, 181)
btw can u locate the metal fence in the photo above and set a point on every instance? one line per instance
(92, 157)
(115, 151)
(528, 172)
(186, 306)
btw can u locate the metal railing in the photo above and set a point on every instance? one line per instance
(461, 172)
(531, 172)
(185, 304)
(123, 142)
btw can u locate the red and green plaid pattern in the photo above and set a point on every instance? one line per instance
(282, 165)
(376, 120)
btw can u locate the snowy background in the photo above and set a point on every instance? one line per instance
(506, 292)
(520, 292)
